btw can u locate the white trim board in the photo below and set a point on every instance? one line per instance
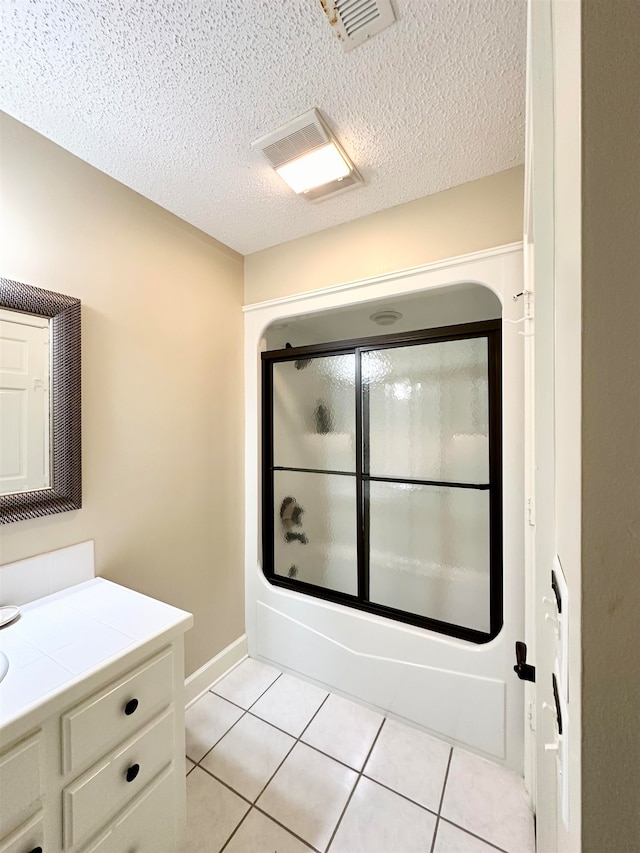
(446, 263)
(213, 670)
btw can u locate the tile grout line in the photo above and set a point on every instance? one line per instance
(304, 742)
(298, 738)
(242, 820)
(452, 823)
(293, 746)
(444, 785)
(197, 763)
(401, 795)
(253, 803)
(268, 687)
(332, 757)
(473, 835)
(357, 782)
(326, 755)
(286, 828)
(446, 778)
(309, 746)
(266, 690)
(245, 711)
(360, 774)
(224, 698)
(248, 812)
(226, 785)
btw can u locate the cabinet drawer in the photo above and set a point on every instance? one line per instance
(26, 839)
(20, 783)
(148, 825)
(112, 784)
(113, 714)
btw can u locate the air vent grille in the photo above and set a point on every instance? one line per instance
(355, 21)
(295, 145)
(356, 14)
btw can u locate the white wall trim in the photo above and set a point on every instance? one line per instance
(213, 670)
(446, 263)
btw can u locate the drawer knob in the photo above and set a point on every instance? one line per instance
(130, 707)
(132, 772)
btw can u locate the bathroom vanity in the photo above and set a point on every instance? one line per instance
(92, 724)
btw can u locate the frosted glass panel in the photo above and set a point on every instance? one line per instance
(315, 529)
(429, 411)
(429, 552)
(314, 413)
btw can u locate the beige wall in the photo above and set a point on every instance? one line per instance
(467, 218)
(610, 438)
(162, 383)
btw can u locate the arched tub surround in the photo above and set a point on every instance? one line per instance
(457, 690)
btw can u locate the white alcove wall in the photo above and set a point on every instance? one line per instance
(465, 693)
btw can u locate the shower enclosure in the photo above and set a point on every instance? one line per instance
(385, 505)
(382, 476)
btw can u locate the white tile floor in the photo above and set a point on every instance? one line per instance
(277, 765)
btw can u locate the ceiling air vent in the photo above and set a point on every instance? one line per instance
(355, 21)
(294, 139)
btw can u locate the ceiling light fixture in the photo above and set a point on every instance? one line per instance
(386, 318)
(318, 167)
(309, 158)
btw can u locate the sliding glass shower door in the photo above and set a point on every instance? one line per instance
(315, 516)
(427, 468)
(382, 476)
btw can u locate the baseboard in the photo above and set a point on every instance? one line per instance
(213, 670)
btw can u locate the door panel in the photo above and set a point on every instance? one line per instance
(24, 404)
(430, 552)
(429, 411)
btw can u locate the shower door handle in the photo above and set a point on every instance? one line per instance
(523, 670)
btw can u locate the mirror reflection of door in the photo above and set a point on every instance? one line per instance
(24, 402)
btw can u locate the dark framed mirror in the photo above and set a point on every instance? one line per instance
(40, 402)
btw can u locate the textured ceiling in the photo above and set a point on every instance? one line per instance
(167, 95)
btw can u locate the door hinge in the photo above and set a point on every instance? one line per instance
(531, 715)
(531, 516)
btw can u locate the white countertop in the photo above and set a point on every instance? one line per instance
(63, 638)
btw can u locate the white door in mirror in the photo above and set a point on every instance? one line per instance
(24, 402)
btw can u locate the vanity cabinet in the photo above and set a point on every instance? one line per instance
(100, 765)
(120, 770)
(28, 838)
(112, 714)
(21, 786)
